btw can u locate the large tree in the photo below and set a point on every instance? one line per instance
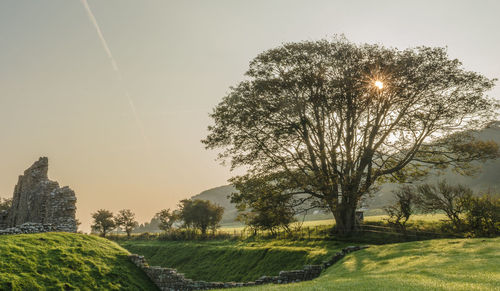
(332, 118)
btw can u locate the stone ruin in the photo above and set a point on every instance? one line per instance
(39, 204)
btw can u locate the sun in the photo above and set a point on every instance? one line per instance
(379, 84)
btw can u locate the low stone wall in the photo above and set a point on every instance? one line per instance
(169, 280)
(30, 227)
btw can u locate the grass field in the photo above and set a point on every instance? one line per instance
(444, 264)
(64, 261)
(425, 218)
(233, 260)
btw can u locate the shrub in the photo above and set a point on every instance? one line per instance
(403, 208)
(483, 216)
(450, 199)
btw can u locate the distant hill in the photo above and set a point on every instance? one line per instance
(488, 178)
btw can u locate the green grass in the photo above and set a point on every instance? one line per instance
(414, 219)
(64, 261)
(444, 264)
(233, 260)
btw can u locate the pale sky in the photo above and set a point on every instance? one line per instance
(60, 96)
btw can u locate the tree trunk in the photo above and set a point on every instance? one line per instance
(345, 219)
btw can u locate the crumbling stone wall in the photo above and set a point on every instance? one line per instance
(168, 279)
(39, 204)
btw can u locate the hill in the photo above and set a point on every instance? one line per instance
(445, 264)
(67, 261)
(487, 178)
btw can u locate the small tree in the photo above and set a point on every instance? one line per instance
(103, 222)
(403, 208)
(450, 199)
(5, 204)
(166, 219)
(200, 214)
(126, 220)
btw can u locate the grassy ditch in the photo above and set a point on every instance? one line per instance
(233, 260)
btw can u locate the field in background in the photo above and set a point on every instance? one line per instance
(426, 218)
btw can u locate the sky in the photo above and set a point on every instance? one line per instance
(127, 135)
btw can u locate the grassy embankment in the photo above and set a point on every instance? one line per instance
(233, 260)
(64, 261)
(444, 264)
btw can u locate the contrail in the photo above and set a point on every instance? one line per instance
(93, 20)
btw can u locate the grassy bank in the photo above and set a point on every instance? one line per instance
(63, 261)
(444, 264)
(233, 260)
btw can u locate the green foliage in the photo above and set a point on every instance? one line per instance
(125, 219)
(451, 199)
(310, 111)
(403, 208)
(233, 260)
(5, 203)
(64, 261)
(219, 195)
(200, 214)
(103, 222)
(166, 219)
(263, 205)
(445, 264)
(483, 215)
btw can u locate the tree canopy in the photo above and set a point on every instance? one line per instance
(331, 118)
(126, 220)
(103, 222)
(200, 214)
(166, 219)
